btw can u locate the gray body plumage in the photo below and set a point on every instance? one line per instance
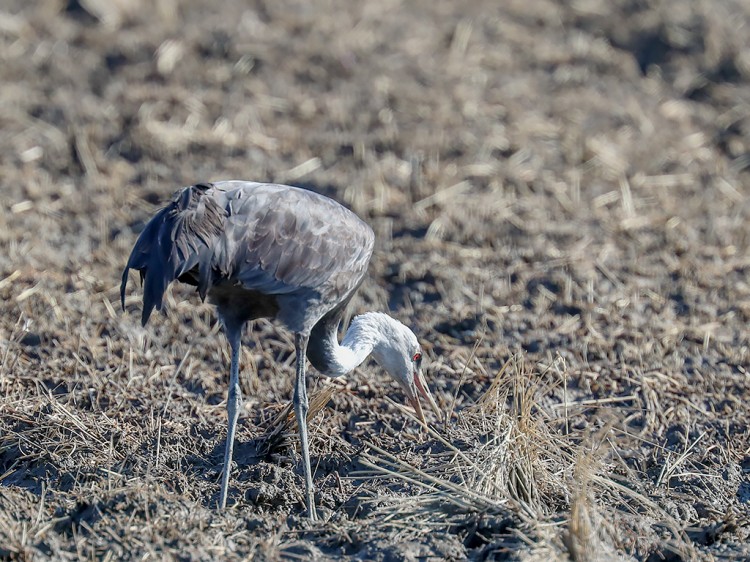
(256, 250)
(260, 250)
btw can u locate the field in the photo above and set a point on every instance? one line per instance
(560, 193)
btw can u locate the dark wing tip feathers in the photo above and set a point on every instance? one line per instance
(175, 240)
(123, 286)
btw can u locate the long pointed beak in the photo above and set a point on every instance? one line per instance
(424, 390)
(418, 409)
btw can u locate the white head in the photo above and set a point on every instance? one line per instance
(397, 350)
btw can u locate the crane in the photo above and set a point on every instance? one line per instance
(261, 250)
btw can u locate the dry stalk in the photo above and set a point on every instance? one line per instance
(285, 422)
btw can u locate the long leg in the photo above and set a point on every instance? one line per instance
(234, 399)
(300, 409)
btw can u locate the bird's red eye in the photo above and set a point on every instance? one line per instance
(417, 356)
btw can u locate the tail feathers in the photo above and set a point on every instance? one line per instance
(178, 240)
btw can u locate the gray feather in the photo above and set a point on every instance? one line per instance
(295, 245)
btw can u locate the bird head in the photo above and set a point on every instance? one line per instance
(400, 354)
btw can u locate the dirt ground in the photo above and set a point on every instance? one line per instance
(560, 194)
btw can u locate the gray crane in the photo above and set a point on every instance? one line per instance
(260, 250)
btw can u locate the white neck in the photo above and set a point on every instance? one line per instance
(363, 335)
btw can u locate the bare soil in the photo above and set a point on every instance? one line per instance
(560, 193)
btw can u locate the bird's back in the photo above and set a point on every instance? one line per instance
(305, 251)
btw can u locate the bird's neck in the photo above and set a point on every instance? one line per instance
(334, 359)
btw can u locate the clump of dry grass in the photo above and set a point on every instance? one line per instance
(285, 422)
(509, 458)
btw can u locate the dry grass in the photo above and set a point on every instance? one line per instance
(560, 197)
(506, 467)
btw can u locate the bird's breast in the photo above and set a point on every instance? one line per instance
(241, 305)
